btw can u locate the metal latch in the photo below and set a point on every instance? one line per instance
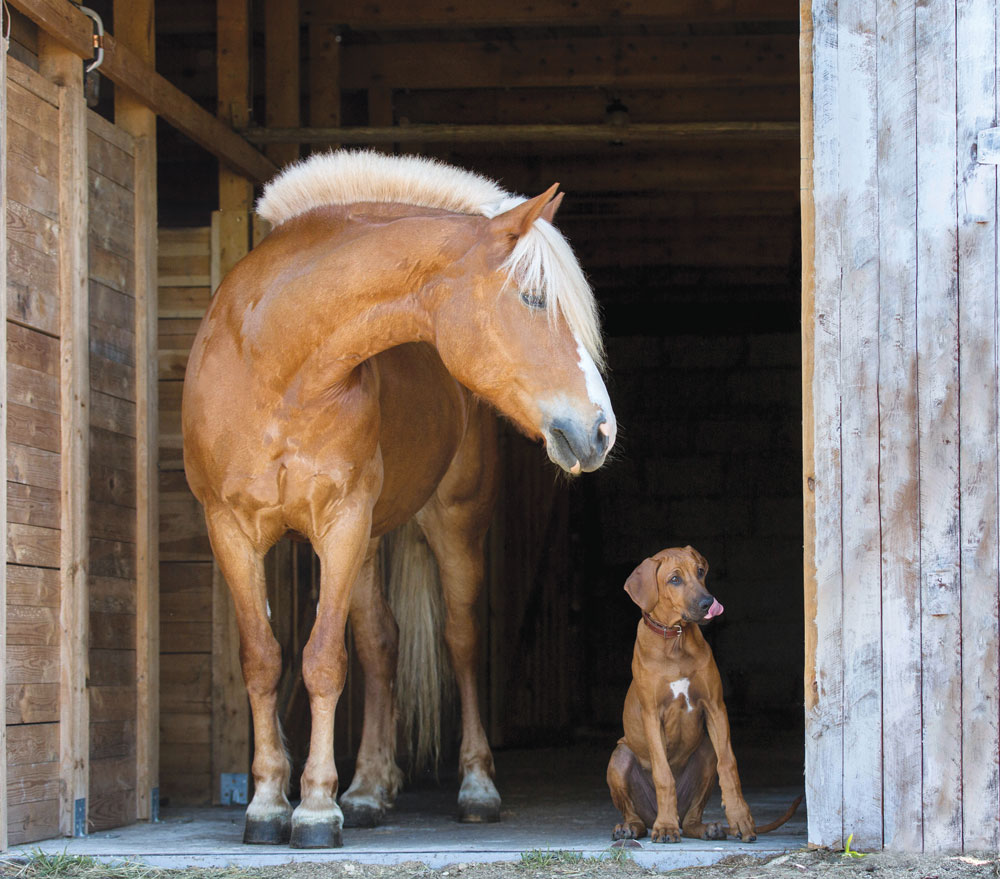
(988, 147)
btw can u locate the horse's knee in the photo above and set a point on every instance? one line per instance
(324, 668)
(260, 660)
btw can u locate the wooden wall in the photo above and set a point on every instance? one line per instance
(75, 334)
(33, 458)
(185, 555)
(112, 512)
(900, 317)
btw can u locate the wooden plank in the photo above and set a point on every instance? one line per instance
(860, 529)
(425, 133)
(30, 227)
(33, 350)
(33, 389)
(113, 704)
(7, 590)
(112, 413)
(110, 558)
(110, 268)
(29, 822)
(112, 740)
(32, 703)
(324, 74)
(399, 14)
(281, 74)
(112, 595)
(31, 505)
(32, 285)
(230, 706)
(898, 485)
(33, 466)
(32, 428)
(33, 743)
(976, 90)
(63, 67)
(27, 626)
(31, 545)
(616, 61)
(32, 665)
(112, 668)
(938, 401)
(32, 587)
(186, 683)
(72, 30)
(33, 782)
(188, 302)
(824, 685)
(113, 631)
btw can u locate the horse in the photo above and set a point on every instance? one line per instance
(344, 381)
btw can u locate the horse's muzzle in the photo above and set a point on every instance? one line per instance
(579, 448)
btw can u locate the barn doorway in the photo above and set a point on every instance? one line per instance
(690, 236)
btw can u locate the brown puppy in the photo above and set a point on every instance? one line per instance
(676, 727)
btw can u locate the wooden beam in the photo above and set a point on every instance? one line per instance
(135, 25)
(233, 91)
(324, 75)
(281, 75)
(615, 62)
(125, 69)
(404, 14)
(4, 812)
(492, 134)
(63, 67)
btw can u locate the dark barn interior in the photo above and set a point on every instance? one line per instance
(683, 210)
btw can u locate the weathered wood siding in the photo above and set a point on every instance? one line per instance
(33, 457)
(901, 394)
(112, 520)
(185, 555)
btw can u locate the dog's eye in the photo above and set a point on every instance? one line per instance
(676, 580)
(533, 298)
(701, 573)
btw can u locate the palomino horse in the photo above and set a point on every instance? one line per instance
(337, 388)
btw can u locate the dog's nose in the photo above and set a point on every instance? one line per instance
(706, 603)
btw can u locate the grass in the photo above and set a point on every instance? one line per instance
(42, 865)
(536, 858)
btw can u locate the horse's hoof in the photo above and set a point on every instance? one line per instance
(267, 831)
(478, 800)
(358, 813)
(316, 834)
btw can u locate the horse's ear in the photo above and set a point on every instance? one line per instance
(641, 584)
(517, 221)
(549, 211)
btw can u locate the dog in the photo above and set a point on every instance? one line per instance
(676, 738)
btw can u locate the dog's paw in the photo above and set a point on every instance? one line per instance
(666, 833)
(714, 831)
(744, 829)
(633, 830)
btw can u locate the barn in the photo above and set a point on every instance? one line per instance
(788, 213)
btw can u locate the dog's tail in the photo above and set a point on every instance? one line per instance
(424, 684)
(774, 825)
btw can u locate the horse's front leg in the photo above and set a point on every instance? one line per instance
(377, 778)
(242, 565)
(317, 820)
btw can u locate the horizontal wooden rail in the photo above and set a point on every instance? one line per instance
(66, 24)
(437, 133)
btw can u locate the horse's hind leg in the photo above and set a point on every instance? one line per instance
(455, 522)
(377, 778)
(242, 565)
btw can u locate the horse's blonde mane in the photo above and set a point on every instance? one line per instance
(542, 260)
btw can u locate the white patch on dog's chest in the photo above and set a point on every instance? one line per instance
(682, 688)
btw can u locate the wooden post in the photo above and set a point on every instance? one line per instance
(3, 427)
(324, 75)
(281, 73)
(66, 69)
(134, 27)
(230, 242)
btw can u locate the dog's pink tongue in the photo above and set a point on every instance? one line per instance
(714, 610)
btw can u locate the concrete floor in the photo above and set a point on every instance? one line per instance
(553, 799)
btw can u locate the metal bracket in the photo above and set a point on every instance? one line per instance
(988, 147)
(233, 788)
(80, 817)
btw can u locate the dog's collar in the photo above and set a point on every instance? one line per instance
(662, 630)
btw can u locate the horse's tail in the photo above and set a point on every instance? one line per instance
(424, 682)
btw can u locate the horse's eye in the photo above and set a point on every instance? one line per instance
(533, 299)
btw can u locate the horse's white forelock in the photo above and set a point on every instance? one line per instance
(542, 260)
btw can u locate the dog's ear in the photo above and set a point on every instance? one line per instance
(641, 584)
(699, 558)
